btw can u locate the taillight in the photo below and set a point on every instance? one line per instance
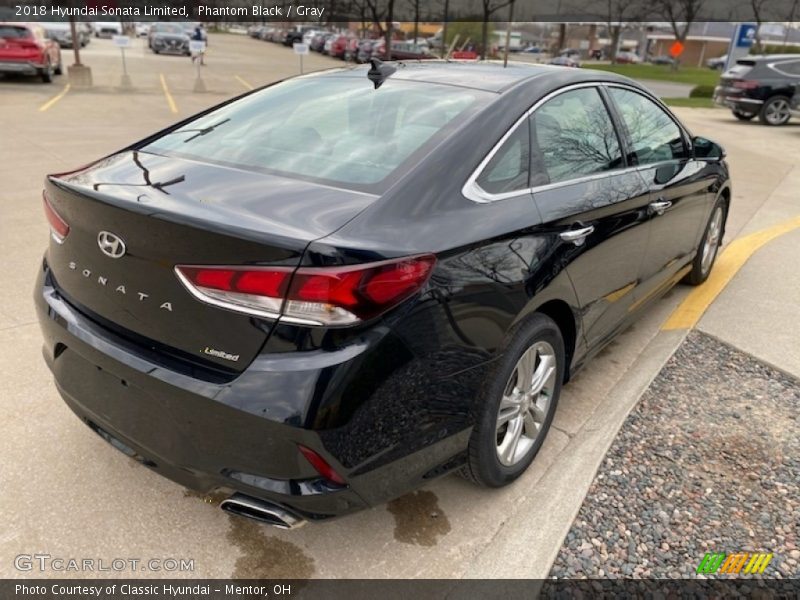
(310, 296)
(321, 466)
(745, 85)
(58, 227)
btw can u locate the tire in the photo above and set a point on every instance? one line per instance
(775, 111)
(59, 70)
(709, 245)
(535, 347)
(743, 116)
(47, 73)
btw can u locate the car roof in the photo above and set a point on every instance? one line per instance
(489, 76)
(770, 57)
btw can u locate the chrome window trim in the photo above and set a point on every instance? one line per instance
(474, 192)
(776, 66)
(657, 101)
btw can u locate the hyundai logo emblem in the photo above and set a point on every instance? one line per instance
(110, 244)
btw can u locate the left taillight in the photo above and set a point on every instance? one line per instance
(58, 226)
(318, 296)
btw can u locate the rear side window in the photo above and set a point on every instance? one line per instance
(740, 69)
(11, 32)
(791, 67)
(507, 171)
(329, 129)
(572, 136)
(654, 136)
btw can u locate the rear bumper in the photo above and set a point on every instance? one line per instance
(243, 435)
(736, 101)
(20, 67)
(181, 427)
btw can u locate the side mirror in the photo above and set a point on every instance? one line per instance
(705, 148)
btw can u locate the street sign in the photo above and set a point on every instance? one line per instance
(197, 46)
(121, 41)
(743, 38)
(676, 49)
(745, 35)
(300, 48)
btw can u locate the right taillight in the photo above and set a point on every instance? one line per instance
(745, 85)
(310, 296)
(58, 226)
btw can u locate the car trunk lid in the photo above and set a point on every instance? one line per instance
(168, 212)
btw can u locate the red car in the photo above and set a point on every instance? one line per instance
(339, 46)
(25, 49)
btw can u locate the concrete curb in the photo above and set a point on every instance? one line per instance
(528, 542)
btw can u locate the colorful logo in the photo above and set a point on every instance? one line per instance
(734, 564)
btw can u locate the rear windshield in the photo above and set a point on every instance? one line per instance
(168, 29)
(337, 130)
(10, 32)
(741, 68)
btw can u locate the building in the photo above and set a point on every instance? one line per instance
(711, 40)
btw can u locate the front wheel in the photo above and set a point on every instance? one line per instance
(709, 247)
(517, 405)
(775, 111)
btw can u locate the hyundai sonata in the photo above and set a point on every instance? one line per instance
(325, 293)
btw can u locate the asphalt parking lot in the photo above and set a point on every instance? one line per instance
(68, 494)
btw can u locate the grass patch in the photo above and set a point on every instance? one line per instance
(690, 102)
(690, 75)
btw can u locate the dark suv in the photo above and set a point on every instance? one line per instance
(795, 105)
(760, 85)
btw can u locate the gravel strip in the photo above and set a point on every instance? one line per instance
(708, 461)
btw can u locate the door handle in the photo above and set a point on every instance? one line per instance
(660, 206)
(577, 236)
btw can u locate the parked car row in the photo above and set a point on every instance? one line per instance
(346, 46)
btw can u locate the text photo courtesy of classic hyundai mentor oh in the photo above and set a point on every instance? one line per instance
(329, 291)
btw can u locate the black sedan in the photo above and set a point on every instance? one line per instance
(329, 291)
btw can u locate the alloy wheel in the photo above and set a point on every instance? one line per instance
(712, 240)
(777, 112)
(525, 403)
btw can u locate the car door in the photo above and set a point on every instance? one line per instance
(678, 185)
(596, 206)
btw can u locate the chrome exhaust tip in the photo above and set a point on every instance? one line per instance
(259, 510)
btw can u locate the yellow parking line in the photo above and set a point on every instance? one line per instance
(689, 312)
(54, 99)
(170, 100)
(244, 83)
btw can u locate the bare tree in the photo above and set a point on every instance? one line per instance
(790, 21)
(618, 12)
(415, 7)
(758, 6)
(381, 13)
(489, 7)
(680, 14)
(562, 37)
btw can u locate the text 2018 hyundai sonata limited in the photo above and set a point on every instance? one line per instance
(324, 293)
